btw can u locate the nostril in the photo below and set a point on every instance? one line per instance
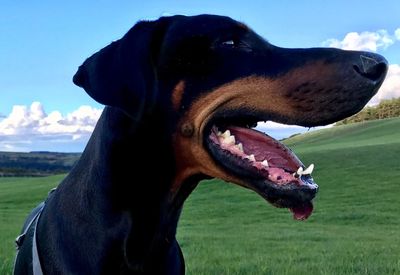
(377, 71)
(371, 68)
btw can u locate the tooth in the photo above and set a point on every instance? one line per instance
(265, 163)
(219, 133)
(240, 147)
(251, 157)
(309, 169)
(229, 140)
(300, 171)
(226, 134)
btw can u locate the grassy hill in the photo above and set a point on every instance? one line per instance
(354, 229)
(18, 196)
(367, 133)
(225, 229)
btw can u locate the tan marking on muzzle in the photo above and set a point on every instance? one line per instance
(191, 156)
(250, 93)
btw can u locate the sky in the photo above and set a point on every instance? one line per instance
(42, 43)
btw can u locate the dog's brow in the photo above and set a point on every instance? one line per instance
(243, 26)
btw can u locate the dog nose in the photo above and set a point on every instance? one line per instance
(372, 66)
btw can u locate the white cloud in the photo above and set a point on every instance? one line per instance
(390, 87)
(374, 41)
(397, 33)
(364, 41)
(26, 127)
(80, 121)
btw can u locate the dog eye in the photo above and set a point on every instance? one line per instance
(236, 44)
(230, 43)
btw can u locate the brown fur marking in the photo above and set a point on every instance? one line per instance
(275, 96)
(177, 95)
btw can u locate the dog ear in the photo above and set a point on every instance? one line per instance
(122, 74)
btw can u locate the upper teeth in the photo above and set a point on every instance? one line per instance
(227, 139)
(302, 171)
(309, 169)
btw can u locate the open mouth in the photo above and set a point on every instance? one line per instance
(264, 165)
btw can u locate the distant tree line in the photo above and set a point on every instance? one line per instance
(33, 164)
(385, 109)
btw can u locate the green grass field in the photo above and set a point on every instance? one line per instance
(224, 229)
(18, 196)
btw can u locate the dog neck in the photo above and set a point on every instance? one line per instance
(112, 183)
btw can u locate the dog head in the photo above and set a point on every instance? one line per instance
(212, 79)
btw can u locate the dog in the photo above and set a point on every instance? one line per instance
(182, 97)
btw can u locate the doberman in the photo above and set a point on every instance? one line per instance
(182, 96)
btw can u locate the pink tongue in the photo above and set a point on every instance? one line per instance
(302, 212)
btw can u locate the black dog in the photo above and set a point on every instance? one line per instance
(182, 94)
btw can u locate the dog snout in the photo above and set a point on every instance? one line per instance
(371, 66)
(307, 194)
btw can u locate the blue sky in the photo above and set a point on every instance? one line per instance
(42, 43)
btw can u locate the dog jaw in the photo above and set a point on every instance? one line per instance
(193, 158)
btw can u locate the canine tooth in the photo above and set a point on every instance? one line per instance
(309, 169)
(219, 133)
(265, 163)
(239, 146)
(300, 171)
